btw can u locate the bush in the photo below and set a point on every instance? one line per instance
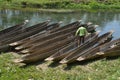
(58, 4)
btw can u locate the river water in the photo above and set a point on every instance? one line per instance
(106, 20)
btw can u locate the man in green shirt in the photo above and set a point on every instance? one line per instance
(81, 33)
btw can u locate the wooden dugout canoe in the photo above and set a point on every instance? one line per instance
(43, 33)
(14, 33)
(39, 56)
(22, 30)
(47, 28)
(41, 40)
(103, 50)
(111, 54)
(50, 36)
(4, 43)
(44, 44)
(112, 50)
(106, 37)
(65, 51)
(51, 31)
(29, 44)
(33, 58)
(42, 55)
(74, 53)
(76, 23)
(7, 32)
(26, 33)
(54, 45)
(4, 31)
(61, 53)
(91, 52)
(59, 29)
(114, 47)
(41, 45)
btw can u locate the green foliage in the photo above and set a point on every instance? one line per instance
(94, 5)
(64, 4)
(78, 6)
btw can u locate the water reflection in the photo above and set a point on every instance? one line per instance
(106, 20)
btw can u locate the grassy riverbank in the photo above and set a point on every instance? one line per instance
(102, 69)
(61, 4)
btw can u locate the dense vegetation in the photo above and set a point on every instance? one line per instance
(64, 4)
(102, 69)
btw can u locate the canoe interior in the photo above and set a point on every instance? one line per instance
(100, 50)
(47, 37)
(74, 54)
(63, 52)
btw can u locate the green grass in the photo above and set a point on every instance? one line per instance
(102, 69)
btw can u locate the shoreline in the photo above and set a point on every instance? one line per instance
(61, 10)
(60, 6)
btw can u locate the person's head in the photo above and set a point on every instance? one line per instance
(82, 25)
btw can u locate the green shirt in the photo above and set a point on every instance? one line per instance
(81, 31)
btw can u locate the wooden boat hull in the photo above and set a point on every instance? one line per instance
(52, 35)
(10, 29)
(76, 23)
(76, 52)
(98, 51)
(114, 50)
(7, 32)
(28, 32)
(48, 42)
(57, 31)
(55, 25)
(36, 41)
(21, 30)
(55, 45)
(40, 55)
(61, 53)
(33, 58)
(112, 53)
(102, 39)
